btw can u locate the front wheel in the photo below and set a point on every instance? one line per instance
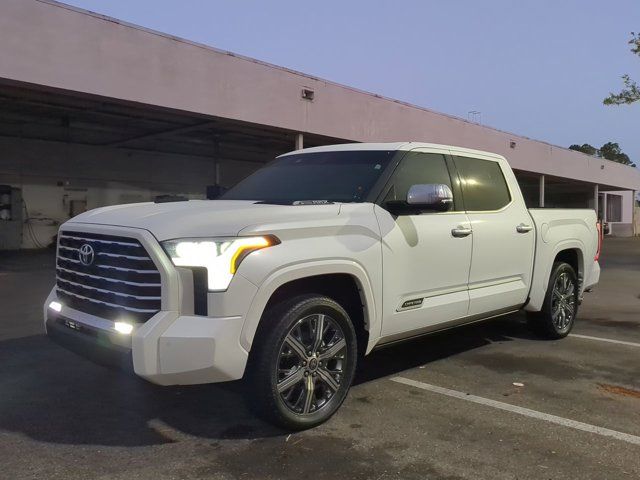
(560, 307)
(303, 363)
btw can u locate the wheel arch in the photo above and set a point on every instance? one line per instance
(328, 278)
(570, 251)
(574, 257)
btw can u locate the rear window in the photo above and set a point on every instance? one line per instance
(484, 187)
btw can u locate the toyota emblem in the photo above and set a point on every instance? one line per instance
(86, 254)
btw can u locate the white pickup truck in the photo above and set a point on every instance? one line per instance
(311, 262)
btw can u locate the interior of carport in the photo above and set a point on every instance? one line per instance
(64, 152)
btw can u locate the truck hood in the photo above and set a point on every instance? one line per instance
(202, 218)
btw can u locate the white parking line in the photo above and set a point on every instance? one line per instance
(608, 340)
(626, 437)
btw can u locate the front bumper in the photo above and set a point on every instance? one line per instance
(101, 347)
(168, 349)
(174, 346)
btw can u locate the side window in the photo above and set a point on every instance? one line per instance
(417, 168)
(483, 184)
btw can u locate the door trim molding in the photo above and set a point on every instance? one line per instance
(467, 320)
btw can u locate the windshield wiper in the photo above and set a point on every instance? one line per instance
(295, 202)
(312, 202)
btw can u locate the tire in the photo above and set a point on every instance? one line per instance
(560, 307)
(297, 379)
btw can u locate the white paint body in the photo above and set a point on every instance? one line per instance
(494, 270)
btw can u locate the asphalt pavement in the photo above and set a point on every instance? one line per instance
(487, 401)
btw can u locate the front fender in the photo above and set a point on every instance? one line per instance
(310, 269)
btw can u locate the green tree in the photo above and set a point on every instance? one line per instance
(585, 148)
(611, 151)
(631, 92)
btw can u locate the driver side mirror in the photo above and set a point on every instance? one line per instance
(436, 197)
(430, 196)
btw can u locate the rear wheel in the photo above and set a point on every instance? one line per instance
(560, 307)
(303, 363)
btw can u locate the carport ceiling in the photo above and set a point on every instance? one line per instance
(569, 184)
(32, 113)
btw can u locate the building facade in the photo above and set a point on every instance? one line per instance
(94, 111)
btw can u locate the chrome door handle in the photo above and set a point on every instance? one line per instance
(461, 231)
(522, 228)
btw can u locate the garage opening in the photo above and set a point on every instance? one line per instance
(62, 153)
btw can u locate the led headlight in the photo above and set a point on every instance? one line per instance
(220, 256)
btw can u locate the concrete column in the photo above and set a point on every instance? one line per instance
(634, 230)
(595, 198)
(299, 141)
(216, 161)
(541, 195)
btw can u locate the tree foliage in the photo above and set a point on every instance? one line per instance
(585, 148)
(610, 151)
(631, 92)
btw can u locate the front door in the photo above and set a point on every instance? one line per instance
(425, 255)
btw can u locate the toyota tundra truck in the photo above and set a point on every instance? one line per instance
(312, 262)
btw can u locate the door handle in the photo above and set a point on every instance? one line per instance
(461, 231)
(522, 228)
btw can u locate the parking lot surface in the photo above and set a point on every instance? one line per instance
(487, 401)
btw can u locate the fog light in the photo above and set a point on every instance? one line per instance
(55, 306)
(124, 328)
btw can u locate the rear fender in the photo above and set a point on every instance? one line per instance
(544, 264)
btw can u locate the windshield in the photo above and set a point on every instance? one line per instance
(339, 176)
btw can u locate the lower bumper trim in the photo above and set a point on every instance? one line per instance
(91, 343)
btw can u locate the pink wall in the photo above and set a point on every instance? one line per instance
(47, 43)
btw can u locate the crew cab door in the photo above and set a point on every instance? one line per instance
(503, 235)
(425, 255)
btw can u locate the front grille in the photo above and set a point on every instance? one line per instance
(118, 282)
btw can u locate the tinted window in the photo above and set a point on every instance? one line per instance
(341, 176)
(483, 184)
(418, 168)
(614, 208)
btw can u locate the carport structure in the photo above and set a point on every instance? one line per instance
(116, 130)
(31, 113)
(94, 111)
(54, 116)
(69, 151)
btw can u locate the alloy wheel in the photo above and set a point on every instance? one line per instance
(563, 301)
(311, 363)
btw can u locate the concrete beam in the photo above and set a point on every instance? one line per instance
(164, 133)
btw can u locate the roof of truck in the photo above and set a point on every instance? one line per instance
(393, 146)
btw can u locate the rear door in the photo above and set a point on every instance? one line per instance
(503, 235)
(425, 264)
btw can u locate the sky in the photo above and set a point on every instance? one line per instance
(538, 68)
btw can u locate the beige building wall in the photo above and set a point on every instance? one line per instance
(58, 47)
(46, 43)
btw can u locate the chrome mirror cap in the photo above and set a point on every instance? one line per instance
(436, 196)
